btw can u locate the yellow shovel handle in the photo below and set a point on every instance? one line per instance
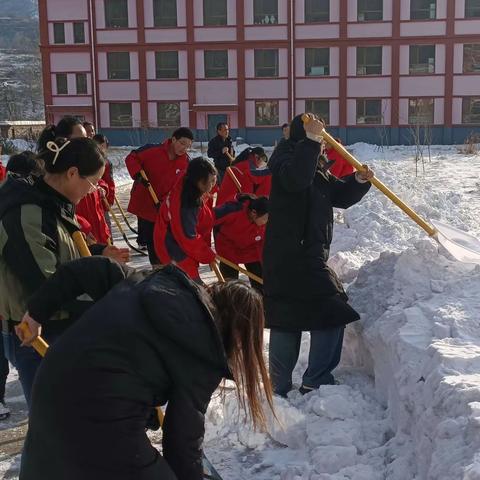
(155, 199)
(234, 179)
(216, 270)
(254, 277)
(375, 181)
(39, 344)
(81, 244)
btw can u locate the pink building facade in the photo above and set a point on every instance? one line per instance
(371, 68)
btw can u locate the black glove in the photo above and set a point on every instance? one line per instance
(139, 179)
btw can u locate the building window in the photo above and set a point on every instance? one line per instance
(423, 9)
(369, 61)
(118, 65)
(216, 63)
(265, 11)
(471, 58)
(472, 8)
(266, 113)
(168, 114)
(78, 32)
(369, 111)
(165, 13)
(422, 59)
(420, 111)
(369, 10)
(317, 62)
(266, 63)
(471, 110)
(81, 80)
(58, 33)
(121, 115)
(321, 108)
(166, 65)
(116, 13)
(62, 84)
(214, 12)
(317, 11)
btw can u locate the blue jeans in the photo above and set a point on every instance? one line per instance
(324, 356)
(25, 359)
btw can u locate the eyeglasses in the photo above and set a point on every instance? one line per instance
(93, 187)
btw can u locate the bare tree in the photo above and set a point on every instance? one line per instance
(420, 130)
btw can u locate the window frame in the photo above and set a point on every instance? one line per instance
(56, 32)
(174, 69)
(120, 124)
(418, 10)
(64, 77)
(310, 54)
(473, 70)
(471, 99)
(258, 52)
(276, 120)
(424, 123)
(75, 25)
(260, 12)
(109, 69)
(77, 76)
(215, 54)
(363, 11)
(413, 68)
(471, 9)
(176, 125)
(365, 115)
(325, 115)
(363, 51)
(157, 9)
(308, 5)
(114, 22)
(214, 20)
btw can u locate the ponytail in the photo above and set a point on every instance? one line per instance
(47, 135)
(259, 204)
(64, 128)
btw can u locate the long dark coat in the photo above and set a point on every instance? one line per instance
(301, 291)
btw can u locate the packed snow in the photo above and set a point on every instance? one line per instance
(408, 403)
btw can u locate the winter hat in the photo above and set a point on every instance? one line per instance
(297, 132)
(258, 151)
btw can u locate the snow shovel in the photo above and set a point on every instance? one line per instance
(124, 215)
(155, 199)
(461, 245)
(119, 226)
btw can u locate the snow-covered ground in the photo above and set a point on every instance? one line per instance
(408, 403)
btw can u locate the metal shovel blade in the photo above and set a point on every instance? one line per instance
(463, 246)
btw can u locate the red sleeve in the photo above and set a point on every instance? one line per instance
(134, 163)
(108, 179)
(85, 225)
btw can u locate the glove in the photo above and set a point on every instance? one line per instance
(139, 179)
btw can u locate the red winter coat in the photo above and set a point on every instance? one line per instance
(108, 180)
(341, 168)
(85, 226)
(161, 172)
(237, 238)
(91, 208)
(3, 172)
(253, 180)
(183, 236)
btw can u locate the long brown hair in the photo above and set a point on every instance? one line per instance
(239, 315)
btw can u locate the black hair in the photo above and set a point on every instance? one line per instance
(285, 125)
(183, 132)
(244, 154)
(198, 169)
(259, 204)
(64, 128)
(83, 153)
(88, 124)
(23, 164)
(99, 138)
(221, 124)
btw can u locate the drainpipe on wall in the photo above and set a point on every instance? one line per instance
(93, 63)
(292, 58)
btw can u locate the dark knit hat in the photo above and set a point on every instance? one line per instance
(297, 132)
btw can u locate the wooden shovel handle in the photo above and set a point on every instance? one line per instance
(230, 157)
(155, 199)
(216, 270)
(375, 181)
(81, 244)
(39, 344)
(234, 179)
(254, 277)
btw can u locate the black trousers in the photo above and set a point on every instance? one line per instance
(145, 228)
(4, 370)
(230, 273)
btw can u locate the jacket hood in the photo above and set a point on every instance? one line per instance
(18, 191)
(297, 132)
(168, 297)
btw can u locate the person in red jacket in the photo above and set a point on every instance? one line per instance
(162, 164)
(240, 232)
(3, 172)
(92, 210)
(250, 169)
(340, 168)
(184, 225)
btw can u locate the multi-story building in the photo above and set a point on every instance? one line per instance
(372, 68)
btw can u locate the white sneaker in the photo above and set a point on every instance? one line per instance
(4, 411)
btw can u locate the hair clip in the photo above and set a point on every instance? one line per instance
(53, 147)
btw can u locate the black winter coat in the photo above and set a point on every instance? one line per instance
(301, 291)
(149, 341)
(215, 147)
